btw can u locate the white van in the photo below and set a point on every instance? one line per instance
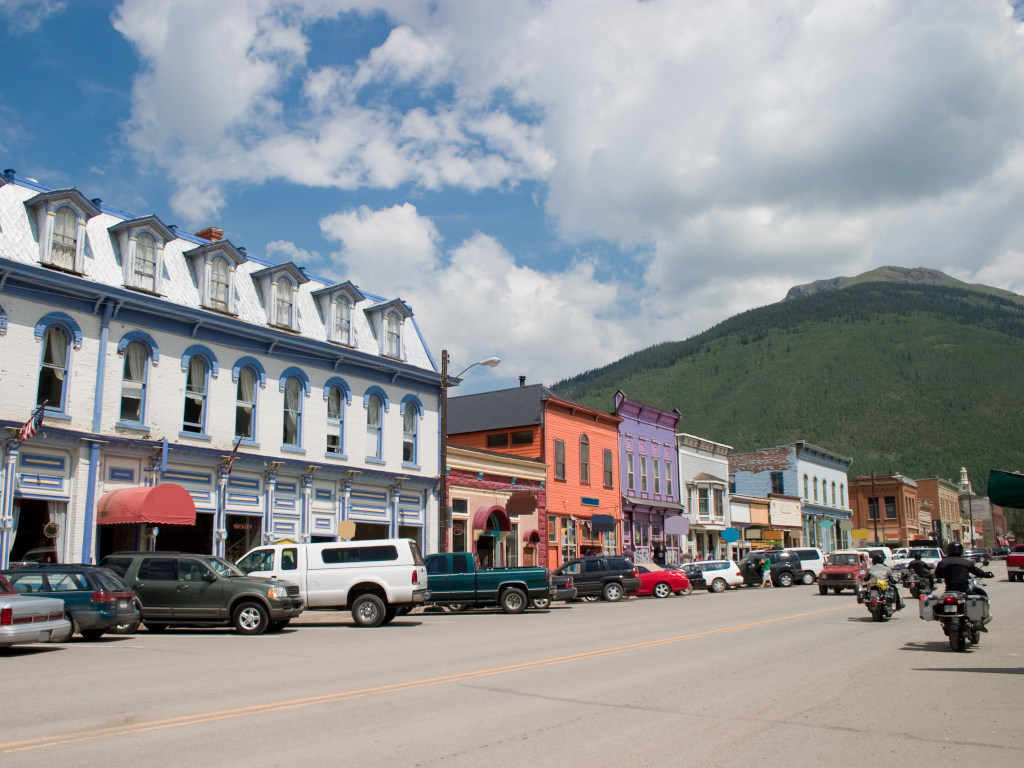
(889, 560)
(812, 559)
(376, 579)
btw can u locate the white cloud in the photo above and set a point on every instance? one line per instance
(25, 16)
(731, 148)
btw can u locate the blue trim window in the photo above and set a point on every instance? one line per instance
(53, 368)
(291, 433)
(64, 243)
(409, 433)
(194, 418)
(374, 425)
(335, 421)
(133, 382)
(245, 404)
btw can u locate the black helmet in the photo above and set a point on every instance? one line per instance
(917, 555)
(954, 549)
(877, 558)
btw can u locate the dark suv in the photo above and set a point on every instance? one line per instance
(96, 599)
(786, 567)
(177, 589)
(611, 577)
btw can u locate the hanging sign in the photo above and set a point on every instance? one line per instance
(846, 525)
(826, 523)
(861, 533)
(729, 534)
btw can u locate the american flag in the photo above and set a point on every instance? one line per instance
(233, 455)
(33, 424)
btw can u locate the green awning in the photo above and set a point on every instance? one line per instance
(1006, 489)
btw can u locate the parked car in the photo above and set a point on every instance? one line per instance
(844, 569)
(375, 579)
(719, 575)
(1000, 553)
(662, 582)
(694, 575)
(564, 592)
(812, 560)
(173, 589)
(28, 619)
(454, 579)
(785, 566)
(96, 599)
(978, 555)
(611, 577)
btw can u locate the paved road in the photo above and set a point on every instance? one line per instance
(710, 680)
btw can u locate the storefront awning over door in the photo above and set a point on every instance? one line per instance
(166, 504)
(482, 517)
(602, 523)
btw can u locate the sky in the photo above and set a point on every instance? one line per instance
(558, 184)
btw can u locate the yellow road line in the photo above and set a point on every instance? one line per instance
(277, 706)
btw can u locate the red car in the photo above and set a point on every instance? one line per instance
(662, 582)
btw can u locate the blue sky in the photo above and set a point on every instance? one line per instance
(556, 183)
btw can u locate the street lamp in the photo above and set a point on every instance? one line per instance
(443, 515)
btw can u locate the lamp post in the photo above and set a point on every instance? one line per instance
(443, 514)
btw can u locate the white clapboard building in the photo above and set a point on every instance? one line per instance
(196, 397)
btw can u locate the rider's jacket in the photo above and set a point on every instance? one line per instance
(955, 571)
(920, 567)
(881, 571)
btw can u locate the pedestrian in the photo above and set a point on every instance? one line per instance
(766, 573)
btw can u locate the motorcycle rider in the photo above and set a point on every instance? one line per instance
(955, 570)
(880, 571)
(921, 569)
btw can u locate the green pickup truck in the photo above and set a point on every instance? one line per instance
(454, 581)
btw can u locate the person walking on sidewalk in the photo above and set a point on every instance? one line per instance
(766, 573)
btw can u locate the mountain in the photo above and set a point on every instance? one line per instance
(900, 370)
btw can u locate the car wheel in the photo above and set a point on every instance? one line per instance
(612, 592)
(250, 619)
(822, 590)
(457, 607)
(368, 611)
(718, 585)
(513, 600)
(662, 589)
(687, 591)
(541, 602)
(807, 578)
(785, 579)
(127, 629)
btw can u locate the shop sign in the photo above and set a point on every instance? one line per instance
(773, 535)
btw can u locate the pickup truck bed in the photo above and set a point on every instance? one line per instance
(454, 579)
(1015, 563)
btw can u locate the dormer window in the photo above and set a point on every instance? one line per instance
(60, 218)
(141, 242)
(214, 265)
(279, 285)
(387, 321)
(337, 305)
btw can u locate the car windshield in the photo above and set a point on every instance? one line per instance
(222, 566)
(843, 559)
(934, 553)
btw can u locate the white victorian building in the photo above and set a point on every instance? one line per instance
(285, 406)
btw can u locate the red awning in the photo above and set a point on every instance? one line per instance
(166, 504)
(482, 516)
(532, 536)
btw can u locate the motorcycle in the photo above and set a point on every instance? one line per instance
(963, 615)
(921, 584)
(880, 599)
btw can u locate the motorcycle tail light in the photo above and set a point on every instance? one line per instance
(949, 600)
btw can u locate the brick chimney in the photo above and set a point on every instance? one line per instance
(213, 234)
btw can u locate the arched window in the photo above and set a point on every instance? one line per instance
(292, 427)
(283, 309)
(65, 238)
(409, 433)
(342, 320)
(145, 262)
(392, 347)
(245, 404)
(335, 421)
(806, 494)
(374, 417)
(194, 418)
(133, 382)
(584, 459)
(220, 284)
(814, 484)
(53, 368)
(833, 493)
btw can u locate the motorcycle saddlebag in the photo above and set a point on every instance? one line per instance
(926, 604)
(977, 608)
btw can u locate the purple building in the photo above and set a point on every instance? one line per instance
(654, 527)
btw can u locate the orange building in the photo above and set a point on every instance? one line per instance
(579, 445)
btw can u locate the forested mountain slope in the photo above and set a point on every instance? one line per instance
(903, 377)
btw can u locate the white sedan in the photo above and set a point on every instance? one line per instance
(719, 574)
(27, 619)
